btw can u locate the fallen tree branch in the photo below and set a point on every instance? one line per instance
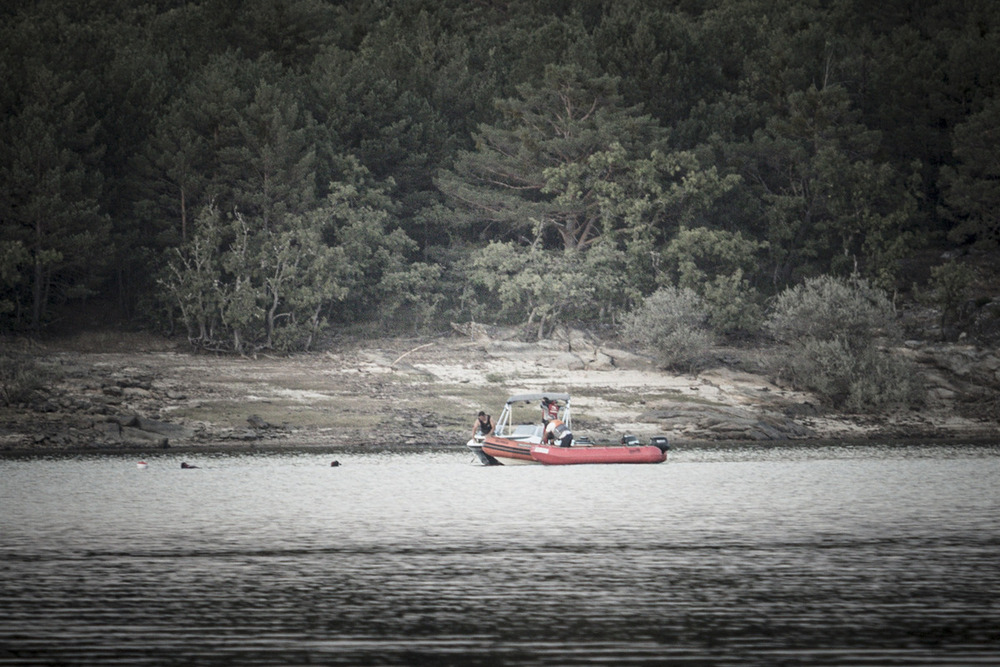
(411, 351)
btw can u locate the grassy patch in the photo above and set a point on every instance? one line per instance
(234, 413)
(114, 340)
(462, 403)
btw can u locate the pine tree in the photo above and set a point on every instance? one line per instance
(51, 191)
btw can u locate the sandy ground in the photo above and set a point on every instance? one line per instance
(412, 392)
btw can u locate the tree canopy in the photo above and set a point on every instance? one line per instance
(252, 173)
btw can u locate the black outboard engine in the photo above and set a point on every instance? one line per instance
(661, 442)
(629, 440)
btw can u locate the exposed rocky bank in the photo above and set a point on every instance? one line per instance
(127, 392)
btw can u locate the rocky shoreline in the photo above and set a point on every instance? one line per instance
(142, 397)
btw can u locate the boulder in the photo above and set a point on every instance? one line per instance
(110, 431)
(602, 361)
(569, 361)
(241, 434)
(137, 436)
(955, 359)
(168, 429)
(727, 422)
(256, 422)
(155, 427)
(623, 359)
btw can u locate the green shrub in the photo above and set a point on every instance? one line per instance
(857, 380)
(732, 305)
(716, 264)
(19, 378)
(883, 381)
(833, 328)
(828, 308)
(672, 322)
(950, 287)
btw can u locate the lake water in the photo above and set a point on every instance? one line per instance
(774, 556)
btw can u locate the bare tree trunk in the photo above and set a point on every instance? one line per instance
(183, 215)
(36, 288)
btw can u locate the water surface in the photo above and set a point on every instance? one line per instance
(782, 555)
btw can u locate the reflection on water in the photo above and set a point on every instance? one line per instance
(834, 556)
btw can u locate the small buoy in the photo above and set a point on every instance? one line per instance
(187, 466)
(142, 465)
(335, 464)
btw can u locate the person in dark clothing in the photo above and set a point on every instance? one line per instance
(483, 425)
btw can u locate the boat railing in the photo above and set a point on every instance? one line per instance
(506, 428)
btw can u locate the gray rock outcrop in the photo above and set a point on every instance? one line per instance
(718, 422)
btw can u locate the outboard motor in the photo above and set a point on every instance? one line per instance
(476, 446)
(661, 442)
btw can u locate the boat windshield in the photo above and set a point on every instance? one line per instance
(526, 431)
(527, 423)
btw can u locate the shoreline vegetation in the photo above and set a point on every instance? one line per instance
(125, 392)
(762, 219)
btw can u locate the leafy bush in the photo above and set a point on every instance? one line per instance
(833, 327)
(540, 288)
(715, 263)
(19, 378)
(528, 286)
(951, 286)
(410, 297)
(733, 305)
(672, 321)
(245, 284)
(828, 308)
(855, 379)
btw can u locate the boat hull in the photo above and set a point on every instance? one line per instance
(580, 455)
(476, 447)
(507, 451)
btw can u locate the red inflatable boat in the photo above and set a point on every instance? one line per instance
(570, 455)
(507, 451)
(521, 441)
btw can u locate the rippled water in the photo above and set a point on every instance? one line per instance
(829, 556)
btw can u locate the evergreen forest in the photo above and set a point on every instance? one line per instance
(254, 175)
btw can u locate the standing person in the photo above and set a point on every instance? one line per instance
(550, 411)
(483, 425)
(557, 432)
